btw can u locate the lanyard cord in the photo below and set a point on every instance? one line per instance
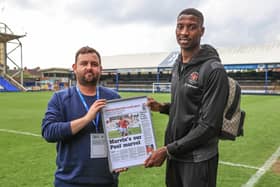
(96, 121)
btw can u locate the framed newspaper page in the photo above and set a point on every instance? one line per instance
(129, 131)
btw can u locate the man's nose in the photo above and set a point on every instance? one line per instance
(88, 66)
(185, 31)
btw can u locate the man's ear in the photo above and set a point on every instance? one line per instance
(74, 67)
(202, 31)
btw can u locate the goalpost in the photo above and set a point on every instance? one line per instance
(161, 87)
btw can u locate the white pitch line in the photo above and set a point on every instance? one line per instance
(250, 183)
(255, 178)
(20, 132)
(239, 165)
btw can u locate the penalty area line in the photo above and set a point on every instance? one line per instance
(265, 167)
(20, 132)
(254, 179)
(220, 162)
(238, 165)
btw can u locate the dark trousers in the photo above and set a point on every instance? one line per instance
(59, 183)
(190, 174)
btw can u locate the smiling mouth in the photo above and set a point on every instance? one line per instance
(184, 40)
(89, 73)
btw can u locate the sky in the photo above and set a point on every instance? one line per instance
(56, 29)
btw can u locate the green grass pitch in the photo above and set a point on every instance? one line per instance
(27, 160)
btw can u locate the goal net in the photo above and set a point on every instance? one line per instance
(161, 87)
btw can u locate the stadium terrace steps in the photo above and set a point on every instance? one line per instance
(6, 86)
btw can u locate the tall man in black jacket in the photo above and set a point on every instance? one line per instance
(196, 110)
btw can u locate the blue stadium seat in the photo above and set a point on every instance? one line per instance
(6, 86)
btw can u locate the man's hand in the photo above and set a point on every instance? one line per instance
(94, 109)
(157, 158)
(119, 170)
(78, 124)
(154, 105)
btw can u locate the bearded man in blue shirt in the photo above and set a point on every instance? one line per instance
(73, 122)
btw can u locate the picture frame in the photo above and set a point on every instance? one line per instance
(128, 131)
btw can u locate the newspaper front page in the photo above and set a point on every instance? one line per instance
(129, 132)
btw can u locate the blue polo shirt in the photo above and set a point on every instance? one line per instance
(74, 165)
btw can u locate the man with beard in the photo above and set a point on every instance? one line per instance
(73, 121)
(198, 99)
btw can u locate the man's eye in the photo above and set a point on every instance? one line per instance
(192, 27)
(83, 63)
(94, 64)
(179, 26)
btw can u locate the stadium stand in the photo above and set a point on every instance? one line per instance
(257, 81)
(9, 43)
(7, 86)
(256, 68)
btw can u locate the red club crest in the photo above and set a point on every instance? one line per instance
(194, 76)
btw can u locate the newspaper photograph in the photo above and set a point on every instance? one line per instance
(129, 131)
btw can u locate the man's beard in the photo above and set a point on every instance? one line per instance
(83, 81)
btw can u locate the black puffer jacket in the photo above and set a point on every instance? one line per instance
(197, 104)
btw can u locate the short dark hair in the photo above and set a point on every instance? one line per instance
(194, 12)
(85, 50)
